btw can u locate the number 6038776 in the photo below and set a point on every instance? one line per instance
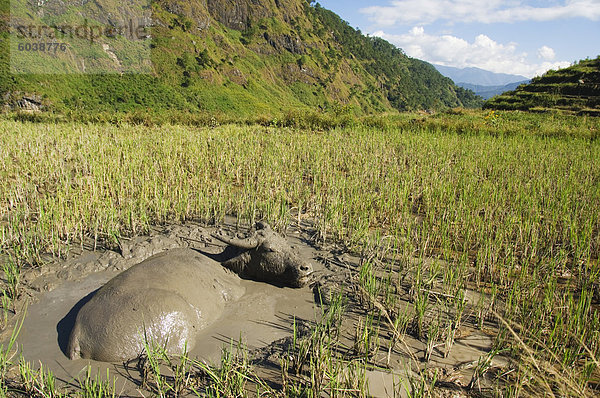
(42, 47)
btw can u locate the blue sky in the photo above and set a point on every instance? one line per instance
(511, 36)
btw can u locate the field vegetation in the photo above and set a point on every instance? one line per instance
(505, 203)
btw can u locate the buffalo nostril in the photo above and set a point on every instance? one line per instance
(305, 268)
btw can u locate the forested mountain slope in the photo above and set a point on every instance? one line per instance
(245, 57)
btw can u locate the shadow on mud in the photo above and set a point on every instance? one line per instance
(65, 325)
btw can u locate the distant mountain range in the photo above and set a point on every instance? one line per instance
(484, 83)
(478, 76)
(487, 92)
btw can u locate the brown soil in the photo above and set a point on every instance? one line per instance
(263, 318)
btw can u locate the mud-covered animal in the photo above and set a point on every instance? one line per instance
(268, 258)
(168, 298)
(165, 299)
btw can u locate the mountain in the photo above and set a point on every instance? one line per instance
(243, 58)
(575, 89)
(478, 76)
(487, 92)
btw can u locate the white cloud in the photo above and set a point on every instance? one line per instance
(483, 52)
(489, 11)
(546, 53)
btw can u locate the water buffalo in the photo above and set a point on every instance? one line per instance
(169, 297)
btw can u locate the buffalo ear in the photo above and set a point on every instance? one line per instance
(262, 225)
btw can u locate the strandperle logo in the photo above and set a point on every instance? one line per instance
(84, 36)
(132, 30)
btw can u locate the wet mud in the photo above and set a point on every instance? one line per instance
(262, 317)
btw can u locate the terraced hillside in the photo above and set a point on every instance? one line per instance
(575, 89)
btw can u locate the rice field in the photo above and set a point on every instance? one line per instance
(508, 203)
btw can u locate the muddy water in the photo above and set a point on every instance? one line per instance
(47, 324)
(264, 314)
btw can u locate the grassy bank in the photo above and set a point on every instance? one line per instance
(509, 201)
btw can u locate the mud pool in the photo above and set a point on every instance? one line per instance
(263, 316)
